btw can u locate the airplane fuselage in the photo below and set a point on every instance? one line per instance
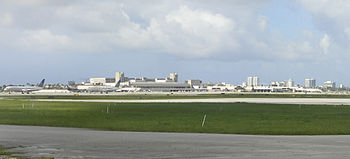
(22, 88)
(102, 89)
(25, 88)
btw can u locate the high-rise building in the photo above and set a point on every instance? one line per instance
(119, 76)
(250, 81)
(174, 77)
(290, 83)
(253, 81)
(310, 83)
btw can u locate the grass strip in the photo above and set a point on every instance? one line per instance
(226, 118)
(174, 96)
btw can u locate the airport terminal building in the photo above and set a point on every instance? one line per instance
(169, 84)
(162, 86)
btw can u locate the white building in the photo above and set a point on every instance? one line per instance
(194, 82)
(290, 83)
(221, 87)
(253, 81)
(174, 77)
(168, 84)
(250, 81)
(97, 81)
(119, 76)
(278, 84)
(329, 84)
(310, 83)
(102, 82)
(162, 86)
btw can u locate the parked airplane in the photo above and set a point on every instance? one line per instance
(73, 89)
(102, 89)
(129, 90)
(25, 89)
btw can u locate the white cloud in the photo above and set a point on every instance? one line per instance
(184, 32)
(31, 3)
(324, 43)
(330, 8)
(262, 22)
(307, 34)
(5, 19)
(186, 29)
(332, 17)
(44, 40)
(194, 33)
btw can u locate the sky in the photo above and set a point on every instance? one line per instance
(215, 41)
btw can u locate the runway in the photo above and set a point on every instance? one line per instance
(311, 101)
(83, 143)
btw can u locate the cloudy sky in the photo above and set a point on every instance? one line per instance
(224, 40)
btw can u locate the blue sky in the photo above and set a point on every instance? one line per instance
(287, 18)
(225, 41)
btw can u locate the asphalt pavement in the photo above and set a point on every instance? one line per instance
(84, 143)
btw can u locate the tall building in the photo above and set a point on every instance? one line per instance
(119, 76)
(310, 83)
(250, 81)
(290, 83)
(174, 77)
(253, 81)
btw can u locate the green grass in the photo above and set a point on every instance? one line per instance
(5, 153)
(231, 118)
(175, 96)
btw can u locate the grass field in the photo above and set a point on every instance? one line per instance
(173, 96)
(235, 118)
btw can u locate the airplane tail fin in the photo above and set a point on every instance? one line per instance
(41, 84)
(118, 84)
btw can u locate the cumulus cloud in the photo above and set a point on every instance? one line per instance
(332, 18)
(186, 32)
(43, 40)
(186, 29)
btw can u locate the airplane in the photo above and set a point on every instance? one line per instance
(73, 89)
(102, 89)
(26, 89)
(129, 89)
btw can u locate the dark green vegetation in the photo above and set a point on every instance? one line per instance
(176, 96)
(235, 118)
